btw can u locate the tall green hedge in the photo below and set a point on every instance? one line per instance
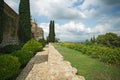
(1, 19)
(24, 29)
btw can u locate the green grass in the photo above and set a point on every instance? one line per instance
(90, 68)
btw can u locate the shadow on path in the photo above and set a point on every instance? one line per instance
(40, 57)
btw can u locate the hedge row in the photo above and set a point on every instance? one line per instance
(9, 66)
(102, 53)
(33, 46)
(11, 63)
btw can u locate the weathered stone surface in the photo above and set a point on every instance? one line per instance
(10, 36)
(10, 26)
(52, 67)
(37, 32)
(60, 69)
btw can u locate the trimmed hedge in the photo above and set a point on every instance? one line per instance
(9, 66)
(10, 48)
(33, 45)
(43, 42)
(23, 56)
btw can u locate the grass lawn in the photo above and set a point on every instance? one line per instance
(90, 68)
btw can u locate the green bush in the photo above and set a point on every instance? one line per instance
(104, 54)
(23, 56)
(10, 48)
(9, 66)
(33, 45)
(42, 41)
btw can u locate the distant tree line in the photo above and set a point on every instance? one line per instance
(109, 39)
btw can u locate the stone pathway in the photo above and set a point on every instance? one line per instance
(49, 65)
(36, 67)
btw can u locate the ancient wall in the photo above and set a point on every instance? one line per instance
(37, 31)
(11, 26)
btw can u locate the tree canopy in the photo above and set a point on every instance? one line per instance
(109, 39)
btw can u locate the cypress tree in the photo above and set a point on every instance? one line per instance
(51, 31)
(94, 39)
(1, 19)
(24, 29)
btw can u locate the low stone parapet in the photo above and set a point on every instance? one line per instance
(60, 69)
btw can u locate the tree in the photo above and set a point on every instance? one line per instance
(24, 29)
(109, 39)
(1, 19)
(51, 32)
(93, 39)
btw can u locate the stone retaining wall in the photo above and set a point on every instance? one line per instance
(60, 69)
(49, 65)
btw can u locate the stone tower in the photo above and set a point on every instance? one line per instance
(37, 32)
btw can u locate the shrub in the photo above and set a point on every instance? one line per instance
(42, 41)
(104, 54)
(33, 45)
(23, 56)
(9, 66)
(10, 48)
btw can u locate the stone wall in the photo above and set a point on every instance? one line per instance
(37, 31)
(60, 69)
(11, 26)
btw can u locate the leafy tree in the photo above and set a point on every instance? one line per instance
(1, 19)
(51, 32)
(24, 30)
(109, 39)
(88, 42)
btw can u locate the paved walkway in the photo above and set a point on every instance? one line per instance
(49, 65)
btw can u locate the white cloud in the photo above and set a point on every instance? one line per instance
(70, 31)
(87, 3)
(94, 8)
(56, 9)
(102, 28)
(64, 10)
(73, 31)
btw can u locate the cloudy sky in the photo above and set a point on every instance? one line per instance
(75, 20)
